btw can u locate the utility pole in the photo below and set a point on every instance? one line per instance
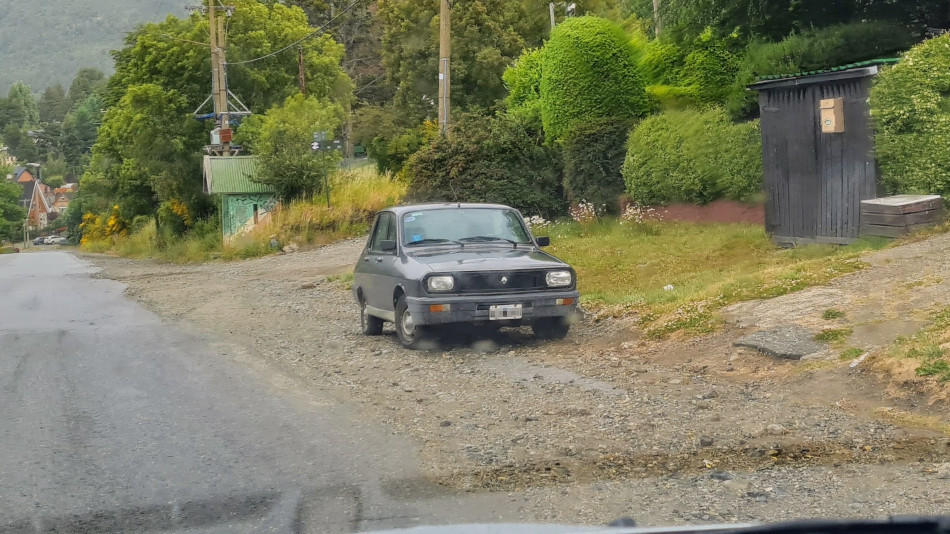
(220, 96)
(445, 53)
(219, 81)
(553, 21)
(657, 25)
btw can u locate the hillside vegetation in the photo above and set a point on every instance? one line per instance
(45, 43)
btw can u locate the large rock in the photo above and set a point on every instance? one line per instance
(791, 341)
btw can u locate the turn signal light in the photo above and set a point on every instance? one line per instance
(564, 302)
(435, 308)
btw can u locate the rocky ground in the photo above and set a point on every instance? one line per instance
(604, 423)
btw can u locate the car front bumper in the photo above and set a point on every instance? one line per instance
(475, 308)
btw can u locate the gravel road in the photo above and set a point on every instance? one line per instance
(600, 425)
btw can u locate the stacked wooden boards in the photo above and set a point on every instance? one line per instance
(899, 215)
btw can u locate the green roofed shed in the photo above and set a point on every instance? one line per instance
(245, 203)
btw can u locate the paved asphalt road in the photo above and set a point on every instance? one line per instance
(112, 420)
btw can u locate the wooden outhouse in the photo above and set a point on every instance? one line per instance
(818, 153)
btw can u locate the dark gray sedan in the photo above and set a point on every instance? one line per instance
(444, 264)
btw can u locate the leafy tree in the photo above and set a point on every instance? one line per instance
(147, 152)
(19, 108)
(11, 214)
(911, 113)
(87, 82)
(20, 144)
(487, 36)
(53, 105)
(589, 71)
(773, 20)
(171, 55)
(79, 130)
(360, 32)
(388, 138)
(281, 141)
(488, 159)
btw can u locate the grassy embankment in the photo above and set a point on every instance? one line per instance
(921, 362)
(676, 276)
(355, 197)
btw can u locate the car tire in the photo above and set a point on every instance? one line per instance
(411, 335)
(370, 325)
(550, 327)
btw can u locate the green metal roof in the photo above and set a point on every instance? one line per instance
(849, 66)
(232, 175)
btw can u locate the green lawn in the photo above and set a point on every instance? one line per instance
(628, 267)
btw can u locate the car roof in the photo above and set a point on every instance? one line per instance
(400, 210)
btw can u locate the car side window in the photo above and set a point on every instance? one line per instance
(385, 231)
(375, 231)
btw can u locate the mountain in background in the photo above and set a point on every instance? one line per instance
(44, 42)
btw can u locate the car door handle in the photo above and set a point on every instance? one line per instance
(366, 259)
(379, 260)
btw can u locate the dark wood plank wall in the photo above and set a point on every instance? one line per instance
(815, 182)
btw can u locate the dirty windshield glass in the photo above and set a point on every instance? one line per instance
(463, 225)
(277, 265)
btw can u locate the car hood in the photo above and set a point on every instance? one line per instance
(482, 258)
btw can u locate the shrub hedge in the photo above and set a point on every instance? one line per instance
(593, 155)
(488, 159)
(811, 50)
(911, 111)
(523, 80)
(589, 71)
(693, 156)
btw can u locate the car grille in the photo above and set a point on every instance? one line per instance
(491, 282)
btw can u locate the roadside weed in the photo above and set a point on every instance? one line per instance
(833, 335)
(832, 313)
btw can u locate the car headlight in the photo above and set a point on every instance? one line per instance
(558, 278)
(441, 283)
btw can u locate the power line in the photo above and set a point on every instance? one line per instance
(367, 85)
(302, 39)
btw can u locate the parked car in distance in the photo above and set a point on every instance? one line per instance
(39, 241)
(57, 240)
(429, 265)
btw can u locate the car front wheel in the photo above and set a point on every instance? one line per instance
(550, 327)
(370, 325)
(410, 334)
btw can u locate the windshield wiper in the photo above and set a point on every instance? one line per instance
(431, 241)
(491, 238)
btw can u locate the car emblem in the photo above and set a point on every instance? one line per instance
(504, 279)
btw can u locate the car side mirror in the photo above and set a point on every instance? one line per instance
(543, 241)
(387, 245)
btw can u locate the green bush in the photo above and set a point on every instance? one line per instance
(589, 71)
(488, 159)
(911, 111)
(701, 72)
(523, 80)
(811, 50)
(710, 68)
(593, 155)
(693, 156)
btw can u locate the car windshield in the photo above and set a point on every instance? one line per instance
(463, 225)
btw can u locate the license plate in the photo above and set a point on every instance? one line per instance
(502, 312)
